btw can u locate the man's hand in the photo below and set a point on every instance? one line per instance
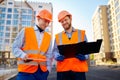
(25, 59)
(60, 58)
(81, 57)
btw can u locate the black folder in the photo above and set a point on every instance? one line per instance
(71, 50)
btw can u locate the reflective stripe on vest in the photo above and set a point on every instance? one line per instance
(34, 51)
(79, 34)
(32, 63)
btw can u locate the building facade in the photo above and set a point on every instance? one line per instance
(106, 25)
(100, 31)
(114, 27)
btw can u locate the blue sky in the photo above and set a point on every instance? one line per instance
(81, 10)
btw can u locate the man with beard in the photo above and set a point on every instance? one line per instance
(72, 68)
(32, 47)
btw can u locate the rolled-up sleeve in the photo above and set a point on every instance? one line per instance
(18, 44)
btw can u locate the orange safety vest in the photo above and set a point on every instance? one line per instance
(32, 50)
(73, 64)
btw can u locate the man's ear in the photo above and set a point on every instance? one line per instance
(47, 23)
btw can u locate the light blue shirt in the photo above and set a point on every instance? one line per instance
(55, 49)
(20, 42)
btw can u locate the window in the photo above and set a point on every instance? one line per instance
(109, 6)
(2, 22)
(40, 6)
(24, 17)
(6, 40)
(2, 16)
(1, 34)
(7, 28)
(116, 4)
(23, 23)
(29, 18)
(117, 10)
(9, 10)
(14, 28)
(2, 9)
(118, 17)
(15, 16)
(28, 23)
(14, 35)
(24, 11)
(119, 38)
(118, 31)
(9, 16)
(16, 10)
(7, 35)
(1, 28)
(29, 11)
(12, 40)
(118, 24)
(8, 22)
(15, 22)
(10, 3)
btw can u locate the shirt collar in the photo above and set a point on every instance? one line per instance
(36, 28)
(73, 30)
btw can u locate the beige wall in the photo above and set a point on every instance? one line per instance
(105, 35)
